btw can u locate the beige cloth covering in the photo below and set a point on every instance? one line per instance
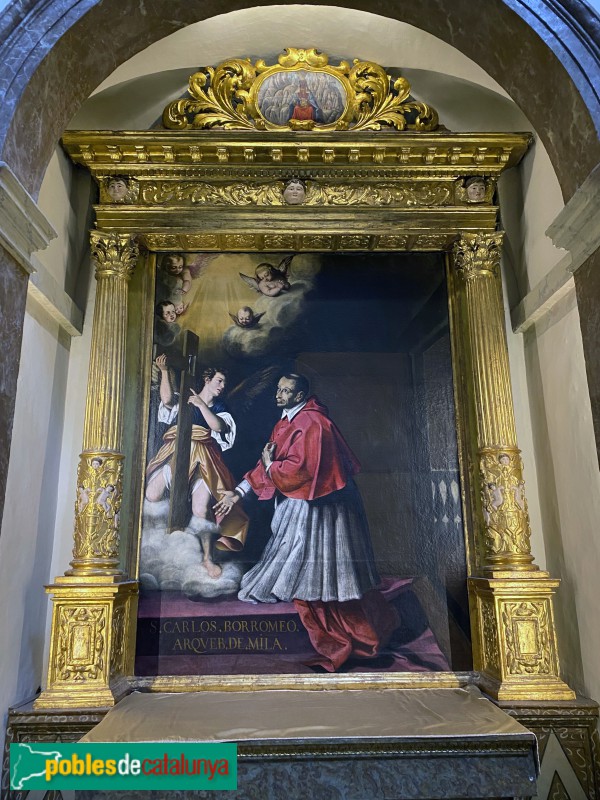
(304, 715)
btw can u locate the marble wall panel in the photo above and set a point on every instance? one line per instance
(587, 286)
(13, 294)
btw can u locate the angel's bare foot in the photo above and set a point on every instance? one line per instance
(213, 570)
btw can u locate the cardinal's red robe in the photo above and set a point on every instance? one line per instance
(311, 458)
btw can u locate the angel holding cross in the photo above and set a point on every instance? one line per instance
(213, 430)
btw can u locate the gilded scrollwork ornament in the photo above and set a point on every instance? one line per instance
(99, 479)
(115, 254)
(309, 193)
(301, 92)
(477, 255)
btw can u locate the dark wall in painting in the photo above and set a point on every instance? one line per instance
(370, 332)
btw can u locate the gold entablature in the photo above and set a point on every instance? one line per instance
(302, 92)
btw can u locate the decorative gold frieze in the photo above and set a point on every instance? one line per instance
(238, 241)
(290, 241)
(430, 242)
(302, 92)
(316, 194)
(99, 486)
(316, 242)
(203, 241)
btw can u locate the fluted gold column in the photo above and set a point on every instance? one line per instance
(511, 599)
(94, 604)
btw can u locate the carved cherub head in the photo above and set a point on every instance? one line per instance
(294, 192)
(117, 188)
(475, 189)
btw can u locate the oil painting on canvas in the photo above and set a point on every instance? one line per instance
(302, 506)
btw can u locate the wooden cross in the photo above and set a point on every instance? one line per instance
(179, 505)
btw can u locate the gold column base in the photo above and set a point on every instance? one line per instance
(92, 642)
(514, 637)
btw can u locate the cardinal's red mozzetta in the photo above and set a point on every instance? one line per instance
(311, 459)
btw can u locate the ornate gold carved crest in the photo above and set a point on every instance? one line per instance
(301, 92)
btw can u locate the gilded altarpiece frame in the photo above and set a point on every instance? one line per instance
(373, 172)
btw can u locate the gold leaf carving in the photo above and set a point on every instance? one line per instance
(527, 638)
(229, 96)
(202, 241)
(379, 104)
(218, 97)
(279, 242)
(271, 194)
(238, 241)
(504, 503)
(317, 242)
(81, 643)
(477, 254)
(117, 653)
(392, 242)
(163, 240)
(435, 242)
(99, 479)
(489, 636)
(115, 254)
(201, 193)
(355, 242)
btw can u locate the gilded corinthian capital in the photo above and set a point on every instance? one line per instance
(477, 255)
(114, 254)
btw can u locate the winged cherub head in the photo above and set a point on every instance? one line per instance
(270, 280)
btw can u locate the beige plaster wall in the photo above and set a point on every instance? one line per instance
(569, 485)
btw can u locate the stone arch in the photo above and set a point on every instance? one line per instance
(53, 51)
